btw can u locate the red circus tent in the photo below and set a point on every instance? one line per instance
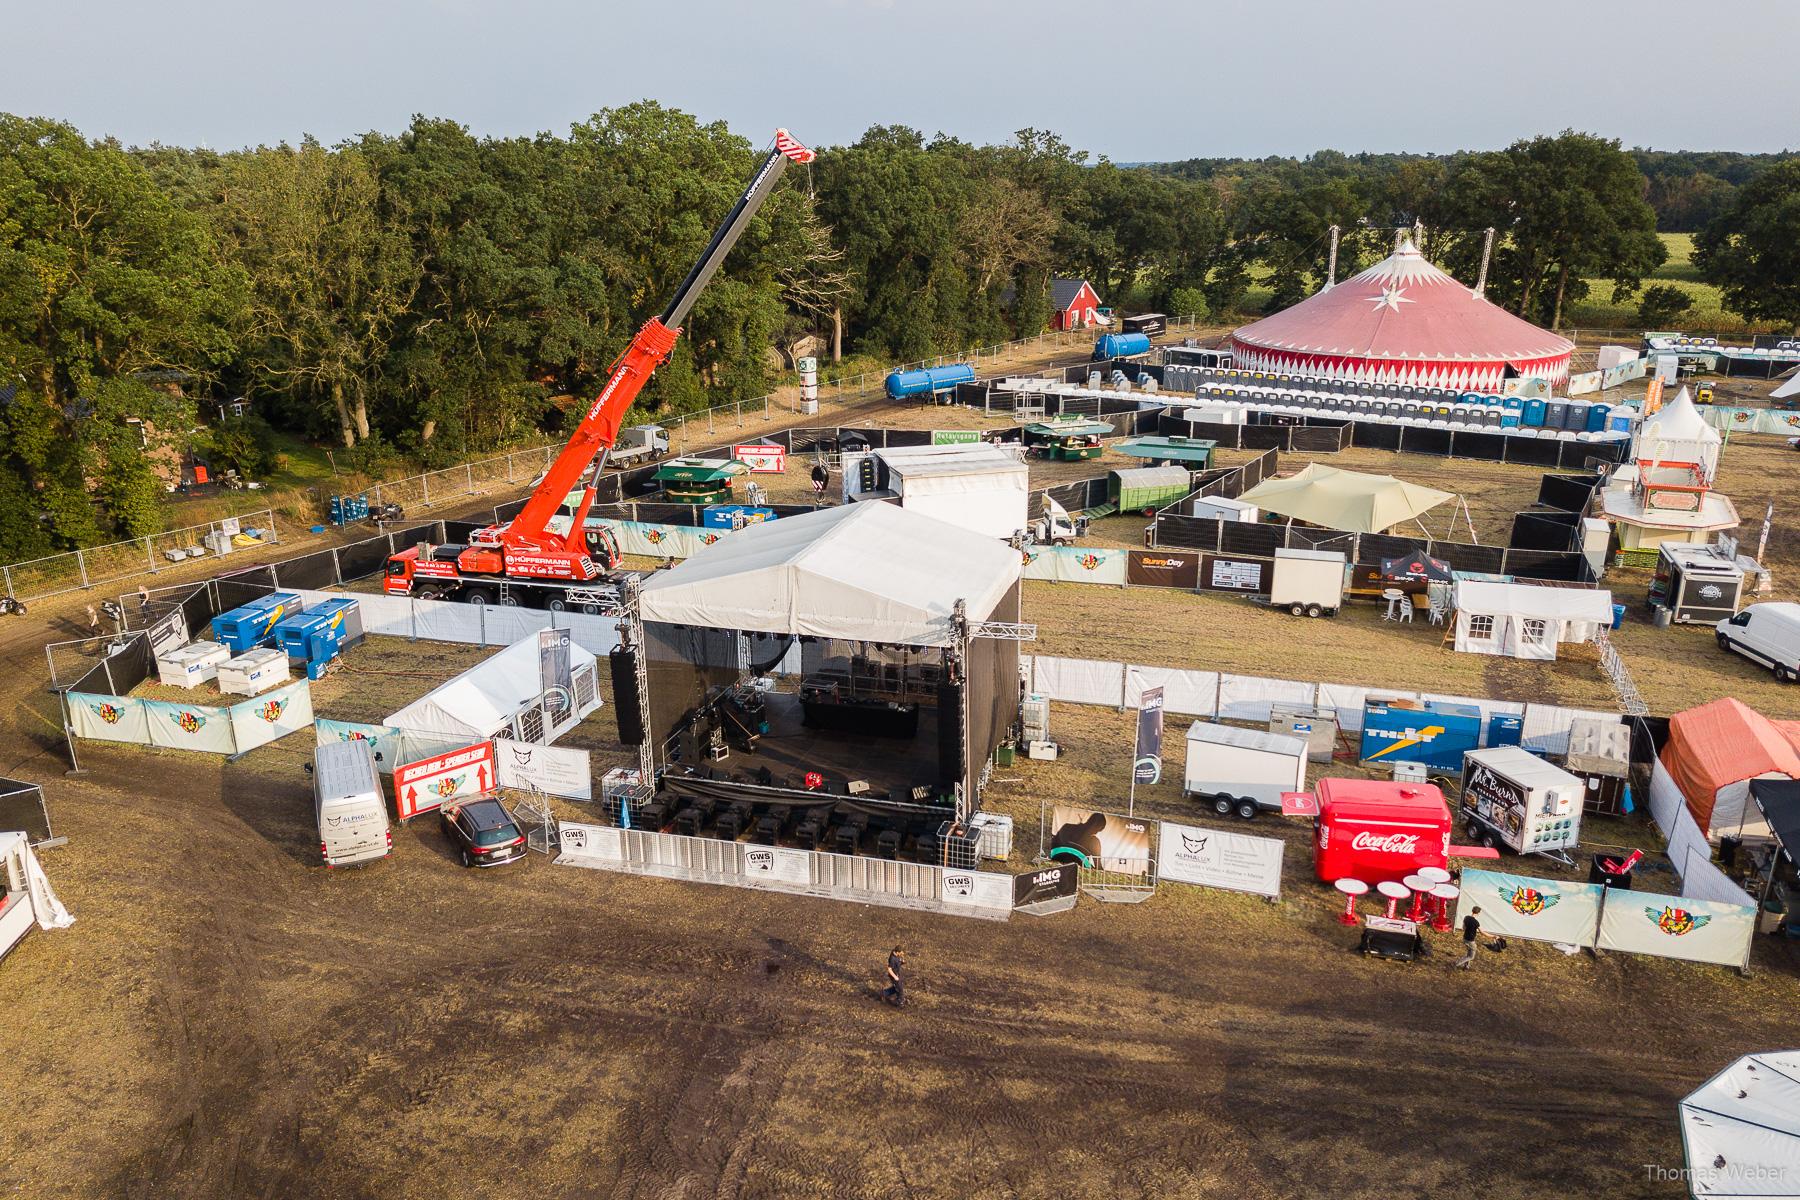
(1403, 321)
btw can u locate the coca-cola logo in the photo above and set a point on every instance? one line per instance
(1390, 843)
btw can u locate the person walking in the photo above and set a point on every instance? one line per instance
(895, 992)
(821, 476)
(143, 598)
(1472, 936)
(93, 619)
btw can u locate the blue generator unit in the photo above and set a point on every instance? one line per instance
(734, 516)
(251, 625)
(1436, 734)
(1505, 729)
(317, 636)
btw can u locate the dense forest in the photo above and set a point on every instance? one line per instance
(433, 294)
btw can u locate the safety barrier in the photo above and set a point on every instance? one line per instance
(1688, 849)
(1622, 919)
(233, 730)
(40, 578)
(859, 879)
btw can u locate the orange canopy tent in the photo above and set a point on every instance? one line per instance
(1713, 753)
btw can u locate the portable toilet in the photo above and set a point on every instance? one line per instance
(1505, 729)
(248, 626)
(1575, 417)
(1509, 417)
(1596, 417)
(1533, 414)
(317, 636)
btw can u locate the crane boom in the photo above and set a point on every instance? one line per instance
(527, 543)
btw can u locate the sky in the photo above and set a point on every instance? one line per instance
(1129, 80)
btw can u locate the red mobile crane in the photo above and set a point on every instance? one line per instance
(526, 549)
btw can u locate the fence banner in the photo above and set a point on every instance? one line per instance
(259, 721)
(1676, 927)
(1163, 568)
(1192, 693)
(428, 783)
(189, 727)
(1249, 697)
(384, 740)
(1079, 680)
(579, 844)
(972, 889)
(544, 768)
(654, 540)
(1520, 906)
(108, 718)
(1215, 858)
(1076, 564)
(1042, 885)
(1100, 841)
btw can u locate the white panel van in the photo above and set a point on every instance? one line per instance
(352, 813)
(1768, 634)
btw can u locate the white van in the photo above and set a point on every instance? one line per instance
(352, 813)
(1768, 634)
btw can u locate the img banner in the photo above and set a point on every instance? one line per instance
(1147, 763)
(1216, 858)
(1051, 886)
(1520, 906)
(1100, 841)
(1076, 564)
(1705, 931)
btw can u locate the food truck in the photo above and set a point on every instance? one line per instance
(1513, 798)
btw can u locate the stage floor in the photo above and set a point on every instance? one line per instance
(791, 748)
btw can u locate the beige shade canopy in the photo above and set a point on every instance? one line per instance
(1347, 500)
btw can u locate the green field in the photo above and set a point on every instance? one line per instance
(1598, 311)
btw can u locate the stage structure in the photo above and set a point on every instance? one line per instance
(837, 680)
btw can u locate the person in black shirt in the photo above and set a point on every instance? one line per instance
(895, 992)
(1472, 936)
(821, 475)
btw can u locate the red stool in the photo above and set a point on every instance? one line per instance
(1352, 888)
(1395, 893)
(1421, 897)
(1444, 893)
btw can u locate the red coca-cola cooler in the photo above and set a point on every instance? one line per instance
(1373, 830)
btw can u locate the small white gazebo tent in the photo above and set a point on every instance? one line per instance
(1740, 1130)
(1677, 433)
(1519, 620)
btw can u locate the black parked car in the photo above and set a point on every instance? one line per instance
(484, 832)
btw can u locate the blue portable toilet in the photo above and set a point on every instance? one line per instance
(1516, 403)
(1620, 420)
(1555, 413)
(1509, 418)
(1575, 417)
(1505, 729)
(1534, 414)
(1596, 417)
(248, 626)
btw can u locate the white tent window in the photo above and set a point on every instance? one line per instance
(1481, 627)
(1536, 630)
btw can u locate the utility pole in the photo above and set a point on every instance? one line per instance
(1331, 265)
(1487, 254)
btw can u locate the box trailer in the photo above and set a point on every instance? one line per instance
(1242, 770)
(1513, 798)
(1697, 584)
(1308, 582)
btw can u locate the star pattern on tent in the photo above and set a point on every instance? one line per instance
(1392, 297)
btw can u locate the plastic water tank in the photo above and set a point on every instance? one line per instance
(901, 384)
(1121, 345)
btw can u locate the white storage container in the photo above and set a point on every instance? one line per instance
(254, 672)
(994, 834)
(191, 665)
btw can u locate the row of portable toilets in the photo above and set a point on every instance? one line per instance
(1498, 412)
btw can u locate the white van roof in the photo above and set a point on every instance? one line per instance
(345, 769)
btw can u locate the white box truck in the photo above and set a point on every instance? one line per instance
(1242, 771)
(347, 800)
(1308, 582)
(1513, 798)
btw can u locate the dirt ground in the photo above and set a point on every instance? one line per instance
(228, 1019)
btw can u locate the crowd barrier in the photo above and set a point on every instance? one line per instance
(1593, 917)
(859, 879)
(1753, 420)
(1214, 694)
(469, 624)
(232, 730)
(1611, 377)
(1688, 850)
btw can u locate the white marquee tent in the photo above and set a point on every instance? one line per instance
(503, 696)
(1790, 388)
(1677, 433)
(1518, 620)
(1741, 1129)
(859, 572)
(27, 901)
(1349, 500)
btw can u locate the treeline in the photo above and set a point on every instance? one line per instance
(435, 294)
